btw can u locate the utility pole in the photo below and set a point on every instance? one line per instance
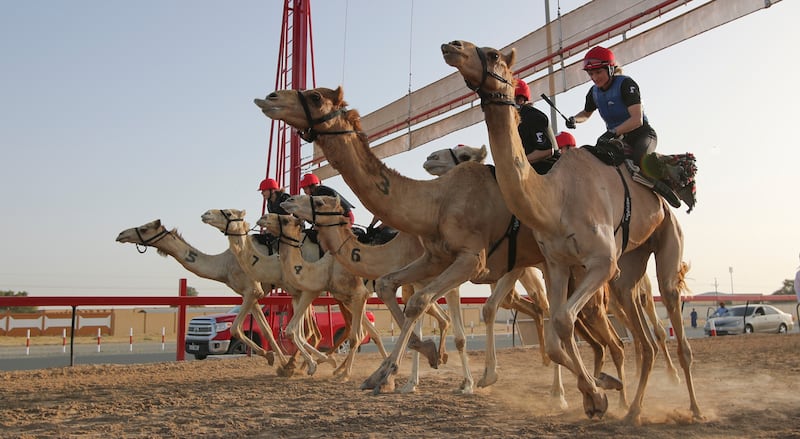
(730, 270)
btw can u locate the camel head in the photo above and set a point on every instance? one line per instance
(282, 225)
(312, 112)
(485, 70)
(144, 236)
(229, 221)
(443, 160)
(318, 210)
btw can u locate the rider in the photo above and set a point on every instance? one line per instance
(627, 121)
(534, 130)
(611, 88)
(565, 141)
(311, 185)
(274, 196)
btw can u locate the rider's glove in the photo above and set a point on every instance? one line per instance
(571, 122)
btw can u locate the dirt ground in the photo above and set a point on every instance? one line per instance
(748, 387)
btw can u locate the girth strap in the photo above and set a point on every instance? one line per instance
(625, 222)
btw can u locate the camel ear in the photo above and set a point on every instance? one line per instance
(511, 57)
(339, 94)
(483, 152)
(157, 222)
(244, 213)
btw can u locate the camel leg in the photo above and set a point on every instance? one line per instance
(294, 330)
(413, 378)
(561, 346)
(462, 268)
(374, 335)
(557, 388)
(644, 289)
(258, 315)
(671, 272)
(387, 292)
(250, 306)
(441, 317)
(357, 302)
(500, 290)
(454, 305)
(537, 307)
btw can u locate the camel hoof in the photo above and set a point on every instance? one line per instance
(270, 356)
(488, 379)
(595, 405)
(312, 368)
(410, 387)
(380, 378)
(633, 419)
(285, 371)
(466, 387)
(607, 382)
(443, 358)
(428, 349)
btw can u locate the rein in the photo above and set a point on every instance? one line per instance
(496, 98)
(310, 134)
(149, 242)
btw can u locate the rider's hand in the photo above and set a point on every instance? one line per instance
(607, 136)
(571, 122)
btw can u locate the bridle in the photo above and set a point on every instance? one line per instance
(149, 242)
(228, 224)
(310, 134)
(496, 98)
(315, 214)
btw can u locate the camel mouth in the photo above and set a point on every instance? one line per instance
(451, 53)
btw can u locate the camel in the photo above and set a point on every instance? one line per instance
(232, 223)
(222, 267)
(462, 240)
(441, 161)
(591, 220)
(371, 261)
(326, 274)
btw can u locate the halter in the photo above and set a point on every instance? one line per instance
(310, 134)
(149, 242)
(283, 239)
(314, 215)
(453, 155)
(496, 98)
(228, 224)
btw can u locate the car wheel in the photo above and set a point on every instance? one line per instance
(200, 356)
(237, 347)
(782, 329)
(343, 348)
(748, 329)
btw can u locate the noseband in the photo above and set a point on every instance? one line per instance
(314, 215)
(229, 222)
(149, 242)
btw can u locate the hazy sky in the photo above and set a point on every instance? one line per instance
(117, 113)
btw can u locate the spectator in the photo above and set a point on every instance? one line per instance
(693, 316)
(721, 311)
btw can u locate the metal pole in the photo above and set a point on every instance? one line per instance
(730, 270)
(553, 120)
(72, 338)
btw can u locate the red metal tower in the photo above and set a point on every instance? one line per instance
(296, 50)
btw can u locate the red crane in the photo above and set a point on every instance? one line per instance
(296, 50)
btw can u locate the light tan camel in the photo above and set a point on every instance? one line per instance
(586, 215)
(266, 268)
(326, 274)
(441, 161)
(458, 235)
(222, 267)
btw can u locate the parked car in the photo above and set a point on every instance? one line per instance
(746, 319)
(211, 335)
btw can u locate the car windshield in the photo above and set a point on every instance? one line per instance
(234, 310)
(739, 311)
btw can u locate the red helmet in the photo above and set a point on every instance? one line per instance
(522, 89)
(268, 184)
(598, 57)
(565, 139)
(308, 180)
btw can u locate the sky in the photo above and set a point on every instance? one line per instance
(118, 113)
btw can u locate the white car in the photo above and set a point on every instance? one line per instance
(746, 319)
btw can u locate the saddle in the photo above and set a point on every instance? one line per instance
(375, 235)
(671, 176)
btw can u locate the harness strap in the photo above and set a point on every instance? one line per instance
(625, 221)
(511, 233)
(310, 134)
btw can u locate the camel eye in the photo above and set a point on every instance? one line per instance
(494, 56)
(316, 98)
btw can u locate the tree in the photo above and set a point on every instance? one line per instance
(10, 293)
(787, 288)
(192, 291)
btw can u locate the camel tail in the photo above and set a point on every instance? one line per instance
(683, 289)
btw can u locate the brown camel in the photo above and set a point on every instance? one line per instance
(458, 235)
(441, 161)
(586, 216)
(222, 267)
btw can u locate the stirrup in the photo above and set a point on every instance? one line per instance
(657, 186)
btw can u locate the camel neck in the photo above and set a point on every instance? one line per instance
(383, 191)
